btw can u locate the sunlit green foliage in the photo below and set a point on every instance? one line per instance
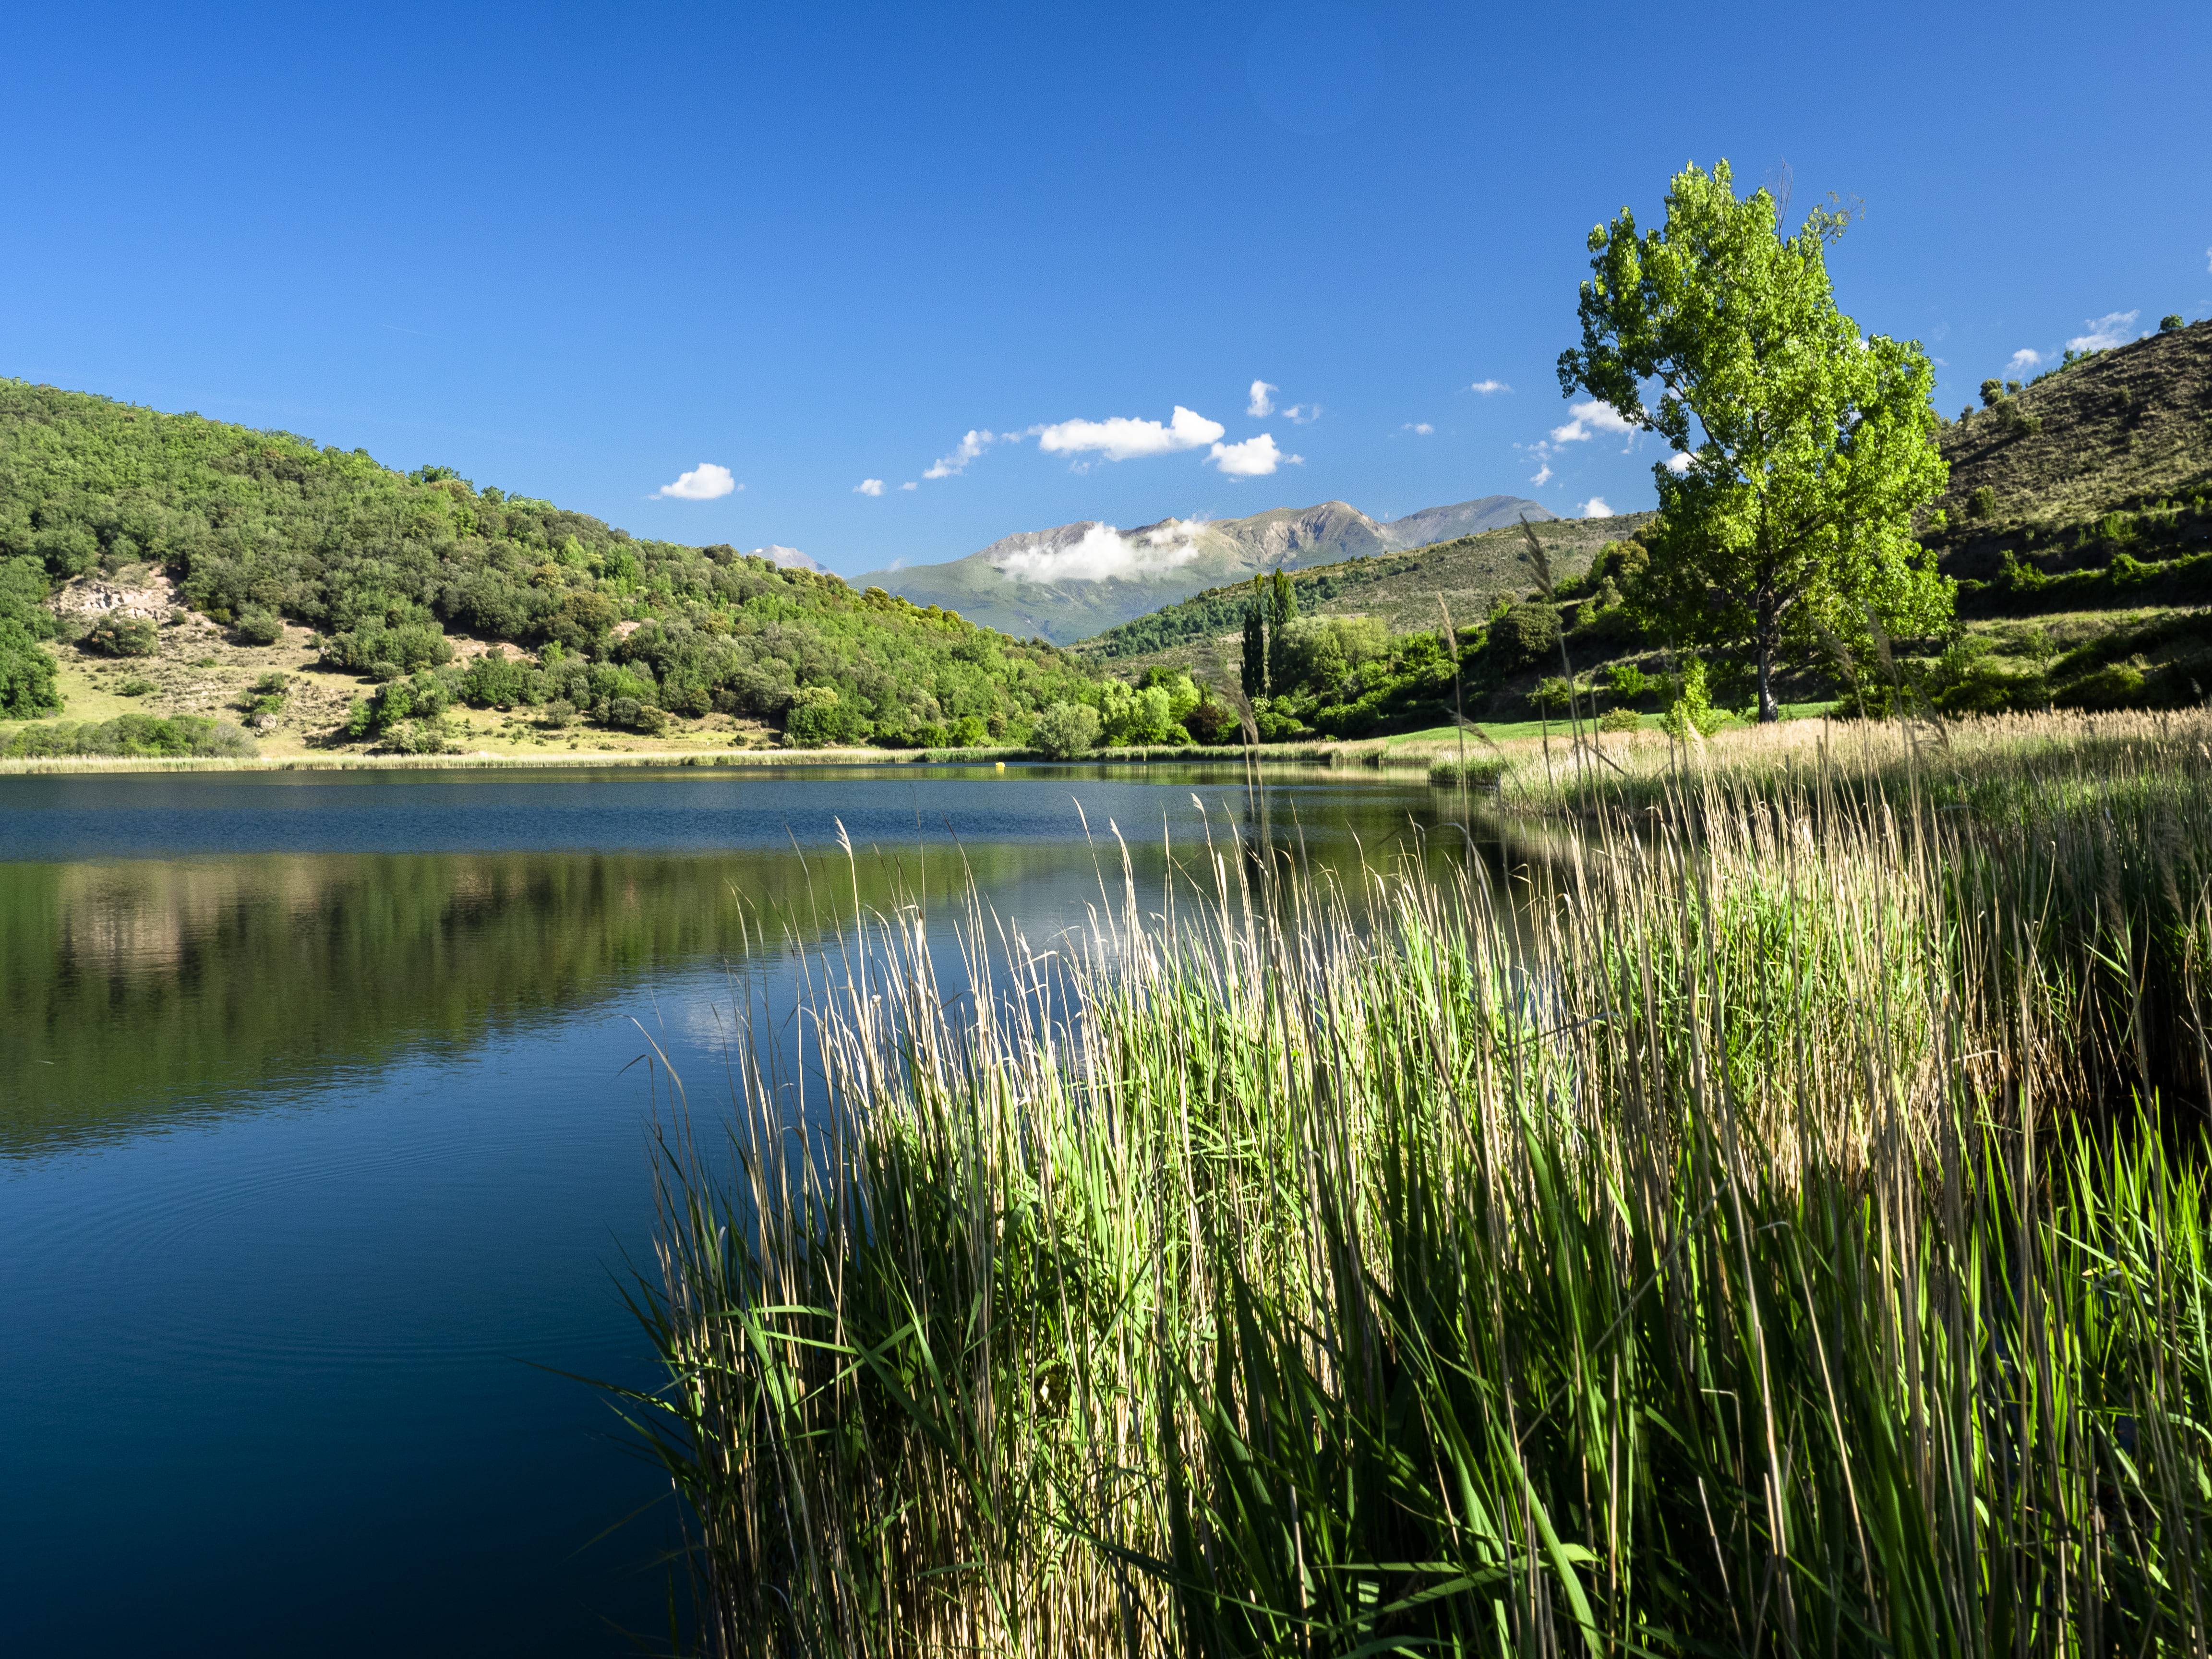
(180, 736)
(1813, 445)
(255, 525)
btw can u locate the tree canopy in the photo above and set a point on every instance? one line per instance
(1803, 447)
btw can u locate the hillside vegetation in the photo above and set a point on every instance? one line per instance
(1401, 591)
(1072, 580)
(2076, 524)
(383, 604)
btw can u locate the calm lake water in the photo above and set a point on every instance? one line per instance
(319, 1158)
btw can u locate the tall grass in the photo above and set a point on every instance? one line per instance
(1758, 1235)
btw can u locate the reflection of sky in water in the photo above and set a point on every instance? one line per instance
(167, 814)
(315, 1142)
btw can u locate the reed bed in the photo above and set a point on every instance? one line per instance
(1777, 1231)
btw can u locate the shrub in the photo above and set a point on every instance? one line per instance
(124, 636)
(23, 596)
(1982, 503)
(818, 720)
(2116, 685)
(1556, 694)
(1210, 722)
(1066, 730)
(582, 621)
(183, 735)
(388, 651)
(1478, 774)
(134, 687)
(425, 697)
(2170, 323)
(1693, 711)
(28, 685)
(1629, 682)
(1525, 633)
(1621, 720)
(1992, 391)
(969, 732)
(259, 628)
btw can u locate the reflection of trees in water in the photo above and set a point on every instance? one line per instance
(129, 988)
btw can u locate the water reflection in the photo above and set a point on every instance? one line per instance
(135, 991)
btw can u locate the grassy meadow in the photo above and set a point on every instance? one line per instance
(1775, 1222)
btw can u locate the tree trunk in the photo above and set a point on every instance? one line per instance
(1770, 632)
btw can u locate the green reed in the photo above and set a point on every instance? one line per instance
(1734, 1244)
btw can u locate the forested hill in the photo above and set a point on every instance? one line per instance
(1401, 590)
(255, 528)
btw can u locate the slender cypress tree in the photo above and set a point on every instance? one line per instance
(1255, 645)
(1286, 607)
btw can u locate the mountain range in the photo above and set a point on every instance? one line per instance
(1076, 580)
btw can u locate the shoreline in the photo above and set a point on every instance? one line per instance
(1371, 754)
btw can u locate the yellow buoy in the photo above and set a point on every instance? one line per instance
(1002, 766)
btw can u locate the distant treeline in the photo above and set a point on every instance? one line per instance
(179, 736)
(1220, 611)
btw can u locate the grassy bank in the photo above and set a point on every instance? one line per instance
(1782, 1229)
(2001, 766)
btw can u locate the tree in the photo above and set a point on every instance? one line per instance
(1066, 730)
(1813, 445)
(1254, 676)
(27, 684)
(1284, 602)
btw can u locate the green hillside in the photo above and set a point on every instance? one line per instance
(193, 567)
(1399, 590)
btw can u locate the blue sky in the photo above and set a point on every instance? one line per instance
(581, 253)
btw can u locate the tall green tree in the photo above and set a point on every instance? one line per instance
(1802, 446)
(1254, 675)
(1283, 604)
(28, 681)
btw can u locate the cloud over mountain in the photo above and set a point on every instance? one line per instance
(2106, 331)
(1254, 457)
(1121, 439)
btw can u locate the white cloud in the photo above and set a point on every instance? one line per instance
(704, 482)
(968, 448)
(1255, 457)
(1595, 507)
(1263, 398)
(789, 557)
(869, 487)
(909, 485)
(2023, 360)
(1303, 413)
(1121, 439)
(1589, 418)
(1485, 387)
(2105, 333)
(1543, 474)
(1103, 551)
(1421, 427)
(1679, 463)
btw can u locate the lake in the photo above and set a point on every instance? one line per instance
(322, 1150)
